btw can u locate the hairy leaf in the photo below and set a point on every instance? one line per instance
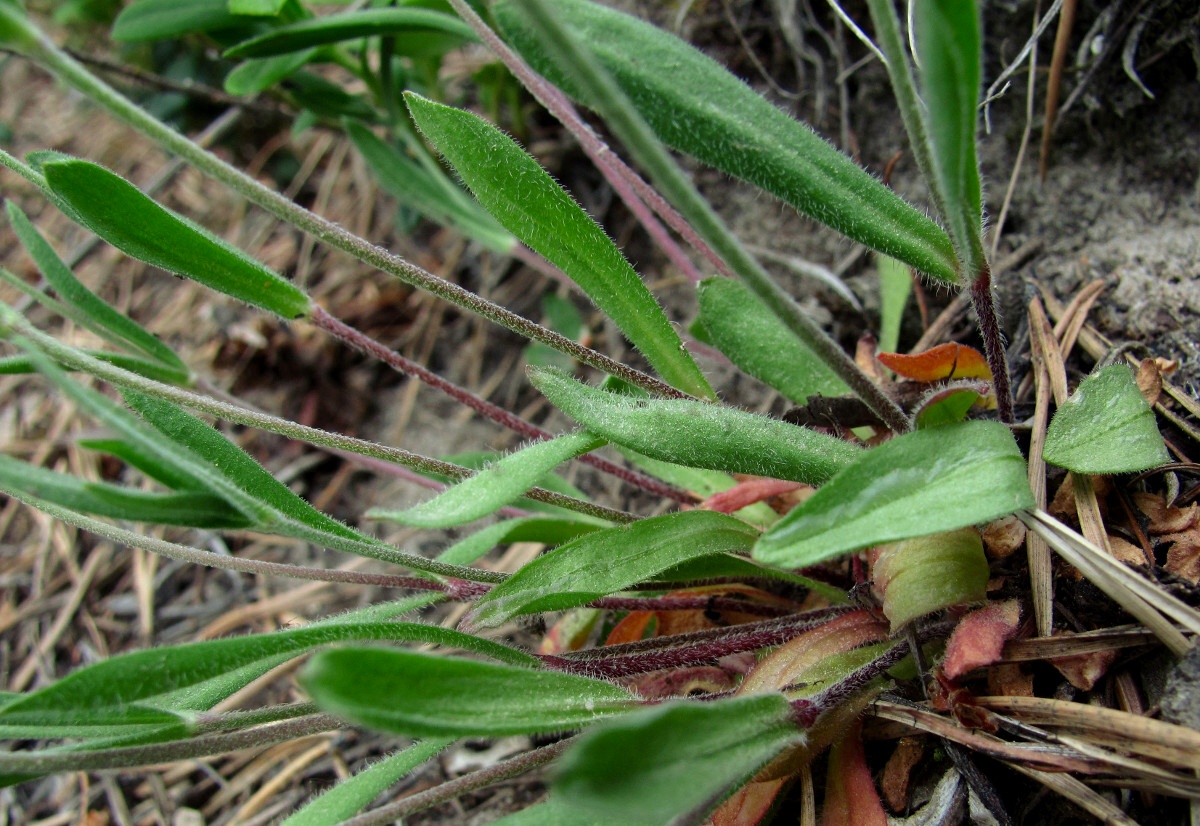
(610, 560)
(344, 800)
(698, 107)
(522, 196)
(1106, 426)
(523, 529)
(497, 485)
(744, 328)
(119, 213)
(699, 434)
(672, 763)
(923, 482)
(430, 696)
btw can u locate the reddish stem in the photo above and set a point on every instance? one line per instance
(984, 302)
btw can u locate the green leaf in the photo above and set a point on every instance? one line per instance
(895, 285)
(119, 213)
(928, 573)
(429, 696)
(522, 196)
(161, 683)
(699, 434)
(258, 8)
(254, 76)
(728, 566)
(415, 187)
(923, 482)
(347, 797)
(611, 560)
(696, 106)
(418, 33)
(170, 19)
(1106, 426)
(155, 370)
(744, 328)
(947, 50)
(93, 312)
(497, 485)
(673, 763)
(169, 473)
(195, 509)
(524, 529)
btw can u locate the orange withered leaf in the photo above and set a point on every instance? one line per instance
(946, 361)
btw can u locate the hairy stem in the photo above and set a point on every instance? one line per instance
(983, 299)
(69, 70)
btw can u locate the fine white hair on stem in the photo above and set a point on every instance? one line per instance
(858, 32)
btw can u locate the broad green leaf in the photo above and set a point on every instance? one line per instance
(895, 285)
(698, 107)
(438, 696)
(497, 485)
(93, 312)
(1106, 426)
(119, 213)
(251, 77)
(415, 187)
(131, 688)
(524, 529)
(522, 196)
(347, 797)
(418, 32)
(728, 566)
(672, 763)
(744, 328)
(607, 561)
(195, 509)
(947, 42)
(552, 812)
(923, 482)
(699, 434)
(169, 19)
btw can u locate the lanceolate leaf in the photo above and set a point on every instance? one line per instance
(495, 486)
(522, 196)
(1106, 426)
(524, 529)
(429, 696)
(923, 482)
(418, 32)
(947, 50)
(119, 213)
(251, 77)
(415, 187)
(93, 312)
(895, 285)
(699, 434)
(345, 799)
(611, 560)
(672, 763)
(169, 19)
(754, 338)
(130, 687)
(195, 509)
(698, 107)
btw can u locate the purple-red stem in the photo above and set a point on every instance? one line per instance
(737, 641)
(984, 302)
(807, 710)
(628, 185)
(365, 344)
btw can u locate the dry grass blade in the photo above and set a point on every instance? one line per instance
(1146, 601)
(1088, 642)
(1077, 792)
(1041, 576)
(1146, 737)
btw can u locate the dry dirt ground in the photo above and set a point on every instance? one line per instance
(1121, 204)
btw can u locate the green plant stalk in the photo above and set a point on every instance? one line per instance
(40, 48)
(621, 117)
(128, 757)
(125, 379)
(975, 272)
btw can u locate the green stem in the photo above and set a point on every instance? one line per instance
(127, 757)
(69, 70)
(633, 131)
